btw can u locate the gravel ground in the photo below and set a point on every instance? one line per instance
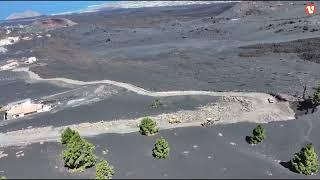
(214, 47)
(189, 48)
(121, 106)
(195, 153)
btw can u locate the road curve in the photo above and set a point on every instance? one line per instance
(141, 91)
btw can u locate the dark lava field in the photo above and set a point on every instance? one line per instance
(269, 47)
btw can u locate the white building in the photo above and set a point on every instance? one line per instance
(23, 108)
(30, 60)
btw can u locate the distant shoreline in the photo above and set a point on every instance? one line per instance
(112, 5)
(126, 5)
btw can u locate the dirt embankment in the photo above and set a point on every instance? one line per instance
(227, 110)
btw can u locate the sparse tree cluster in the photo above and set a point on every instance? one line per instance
(161, 149)
(305, 161)
(148, 127)
(104, 170)
(258, 135)
(79, 153)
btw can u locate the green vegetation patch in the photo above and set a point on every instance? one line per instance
(161, 149)
(79, 153)
(258, 135)
(305, 161)
(104, 170)
(316, 97)
(148, 127)
(67, 134)
(156, 103)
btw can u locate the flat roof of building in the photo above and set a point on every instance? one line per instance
(24, 109)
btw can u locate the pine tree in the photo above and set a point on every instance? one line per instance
(305, 161)
(104, 170)
(258, 135)
(161, 149)
(67, 134)
(148, 127)
(316, 97)
(79, 154)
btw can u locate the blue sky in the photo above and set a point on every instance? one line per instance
(43, 7)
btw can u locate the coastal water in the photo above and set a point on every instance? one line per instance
(64, 7)
(44, 7)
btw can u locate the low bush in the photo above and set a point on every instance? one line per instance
(161, 149)
(104, 170)
(258, 135)
(148, 127)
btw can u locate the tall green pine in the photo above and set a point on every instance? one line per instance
(258, 135)
(305, 161)
(104, 170)
(161, 149)
(67, 134)
(79, 153)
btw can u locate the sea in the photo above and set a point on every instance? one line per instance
(45, 7)
(67, 7)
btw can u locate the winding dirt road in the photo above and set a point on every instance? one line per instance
(141, 91)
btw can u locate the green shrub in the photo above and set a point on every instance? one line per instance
(161, 149)
(79, 154)
(3, 177)
(316, 97)
(258, 135)
(67, 134)
(156, 103)
(305, 161)
(103, 170)
(148, 127)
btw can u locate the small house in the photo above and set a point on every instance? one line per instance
(23, 108)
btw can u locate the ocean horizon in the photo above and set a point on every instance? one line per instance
(45, 7)
(7, 8)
